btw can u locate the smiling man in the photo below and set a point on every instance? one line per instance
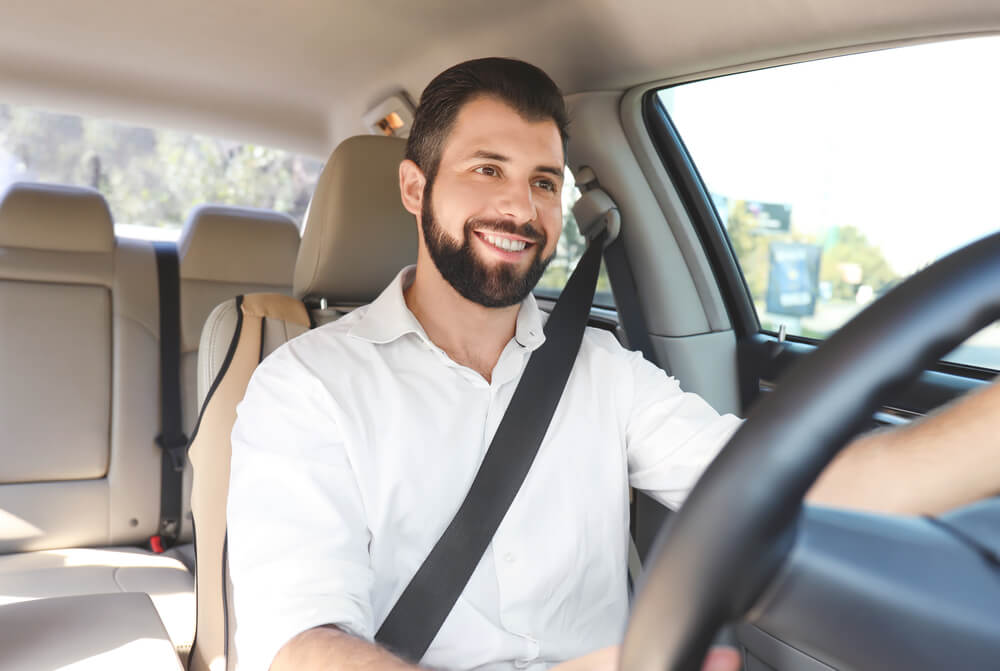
(356, 442)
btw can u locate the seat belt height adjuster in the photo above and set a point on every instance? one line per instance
(176, 450)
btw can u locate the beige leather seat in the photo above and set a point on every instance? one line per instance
(79, 403)
(356, 239)
(80, 349)
(225, 251)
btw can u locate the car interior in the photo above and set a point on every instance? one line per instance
(813, 344)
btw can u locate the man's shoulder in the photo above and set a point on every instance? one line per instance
(604, 343)
(309, 350)
(337, 332)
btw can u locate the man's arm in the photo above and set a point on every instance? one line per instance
(945, 460)
(297, 532)
(328, 648)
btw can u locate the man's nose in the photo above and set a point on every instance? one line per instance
(516, 202)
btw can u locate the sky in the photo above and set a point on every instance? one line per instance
(902, 143)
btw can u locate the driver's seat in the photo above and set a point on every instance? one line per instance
(357, 237)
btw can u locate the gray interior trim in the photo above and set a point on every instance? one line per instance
(819, 54)
(673, 209)
(773, 653)
(669, 298)
(704, 364)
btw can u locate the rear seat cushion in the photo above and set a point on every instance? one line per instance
(57, 573)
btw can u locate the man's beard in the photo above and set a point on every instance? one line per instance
(494, 287)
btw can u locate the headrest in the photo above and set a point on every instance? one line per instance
(239, 245)
(357, 234)
(57, 218)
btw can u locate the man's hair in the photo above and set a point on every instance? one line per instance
(522, 86)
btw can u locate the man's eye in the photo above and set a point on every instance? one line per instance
(487, 170)
(546, 184)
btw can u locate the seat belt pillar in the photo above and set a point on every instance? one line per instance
(596, 211)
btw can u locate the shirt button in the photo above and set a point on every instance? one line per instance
(522, 663)
(509, 558)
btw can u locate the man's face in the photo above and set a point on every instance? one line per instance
(493, 213)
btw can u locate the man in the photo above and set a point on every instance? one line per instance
(357, 441)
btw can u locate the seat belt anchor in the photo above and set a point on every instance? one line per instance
(595, 211)
(176, 449)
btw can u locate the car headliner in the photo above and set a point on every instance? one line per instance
(301, 73)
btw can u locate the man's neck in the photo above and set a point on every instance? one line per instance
(472, 335)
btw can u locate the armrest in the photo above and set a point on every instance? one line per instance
(95, 631)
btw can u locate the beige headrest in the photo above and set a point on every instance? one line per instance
(357, 233)
(238, 245)
(57, 218)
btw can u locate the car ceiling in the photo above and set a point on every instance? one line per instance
(301, 73)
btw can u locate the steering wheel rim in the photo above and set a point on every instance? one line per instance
(723, 548)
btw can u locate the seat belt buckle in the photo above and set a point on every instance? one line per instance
(166, 535)
(176, 449)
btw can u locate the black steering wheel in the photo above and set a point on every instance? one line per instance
(724, 548)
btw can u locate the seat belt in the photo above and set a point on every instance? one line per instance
(172, 441)
(430, 596)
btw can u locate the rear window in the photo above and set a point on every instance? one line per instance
(152, 178)
(836, 179)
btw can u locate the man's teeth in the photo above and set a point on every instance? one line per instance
(505, 243)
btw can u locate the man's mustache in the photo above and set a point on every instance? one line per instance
(526, 231)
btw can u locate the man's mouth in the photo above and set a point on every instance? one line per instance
(508, 244)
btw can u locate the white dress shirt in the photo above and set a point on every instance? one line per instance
(356, 443)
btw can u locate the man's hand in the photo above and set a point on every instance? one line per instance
(327, 647)
(719, 658)
(722, 658)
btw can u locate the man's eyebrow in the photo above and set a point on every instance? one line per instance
(500, 158)
(491, 156)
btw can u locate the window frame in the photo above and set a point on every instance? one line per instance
(705, 220)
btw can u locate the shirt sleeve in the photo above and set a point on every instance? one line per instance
(671, 435)
(297, 532)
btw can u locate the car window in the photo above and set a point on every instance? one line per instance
(836, 179)
(568, 252)
(152, 178)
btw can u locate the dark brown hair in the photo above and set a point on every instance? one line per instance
(526, 88)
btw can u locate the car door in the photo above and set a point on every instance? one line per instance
(816, 187)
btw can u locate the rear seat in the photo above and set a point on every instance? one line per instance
(225, 251)
(79, 345)
(79, 405)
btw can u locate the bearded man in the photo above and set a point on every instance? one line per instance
(357, 441)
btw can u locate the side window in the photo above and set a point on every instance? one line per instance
(152, 178)
(836, 179)
(568, 252)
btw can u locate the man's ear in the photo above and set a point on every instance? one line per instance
(411, 187)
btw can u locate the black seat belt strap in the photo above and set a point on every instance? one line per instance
(172, 441)
(627, 300)
(424, 605)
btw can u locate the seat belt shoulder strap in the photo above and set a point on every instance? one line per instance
(171, 439)
(430, 596)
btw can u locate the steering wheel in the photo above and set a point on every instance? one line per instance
(725, 547)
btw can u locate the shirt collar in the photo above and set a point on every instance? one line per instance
(388, 318)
